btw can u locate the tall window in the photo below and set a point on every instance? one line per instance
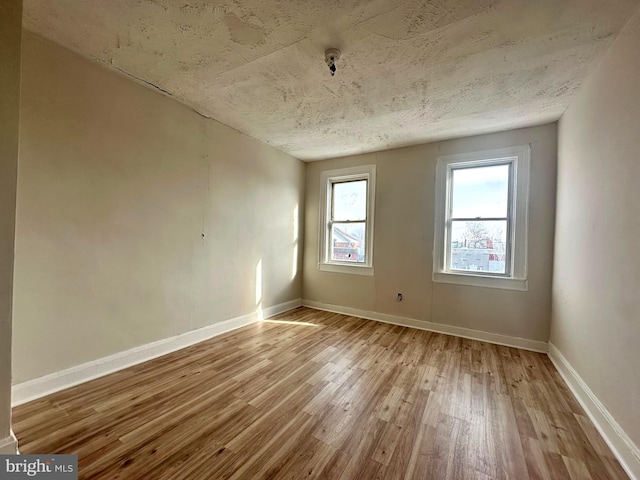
(481, 218)
(346, 216)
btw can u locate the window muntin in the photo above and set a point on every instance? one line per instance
(481, 220)
(346, 216)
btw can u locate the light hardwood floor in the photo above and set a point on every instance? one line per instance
(311, 394)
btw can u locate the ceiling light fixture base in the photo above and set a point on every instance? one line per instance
(331, 56)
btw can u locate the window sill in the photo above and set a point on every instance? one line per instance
(349, 269)
(481, 281)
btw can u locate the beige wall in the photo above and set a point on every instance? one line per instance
(116, 185)
(596, 284)
(10, 39)
(403, 242)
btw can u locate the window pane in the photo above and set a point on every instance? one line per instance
(480, 192)
(479, 246)
(350, 200)
(347, 242)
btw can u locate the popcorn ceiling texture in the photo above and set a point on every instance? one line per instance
(411, 71)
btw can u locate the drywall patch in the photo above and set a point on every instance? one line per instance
(245, 33)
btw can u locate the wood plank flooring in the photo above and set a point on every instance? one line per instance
(311, 394)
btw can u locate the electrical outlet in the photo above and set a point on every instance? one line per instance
(399, 297)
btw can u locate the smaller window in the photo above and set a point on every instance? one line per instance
(481, 218)
(346, 220)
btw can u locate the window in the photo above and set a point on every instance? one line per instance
(346, 220)
(481, 218)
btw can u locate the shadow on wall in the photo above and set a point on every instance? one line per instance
(294, 268)
(259, 290)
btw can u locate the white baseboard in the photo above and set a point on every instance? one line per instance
(498, 339)
(9, 445)
(54, 382)
(281, 308)
(627, 453)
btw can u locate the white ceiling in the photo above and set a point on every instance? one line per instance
(411, 71)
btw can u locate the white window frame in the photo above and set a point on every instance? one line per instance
(518, 211)
(327, 179)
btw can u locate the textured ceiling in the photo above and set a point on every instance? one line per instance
(411, 71)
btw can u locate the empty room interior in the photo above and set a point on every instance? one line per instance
(317, 239)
